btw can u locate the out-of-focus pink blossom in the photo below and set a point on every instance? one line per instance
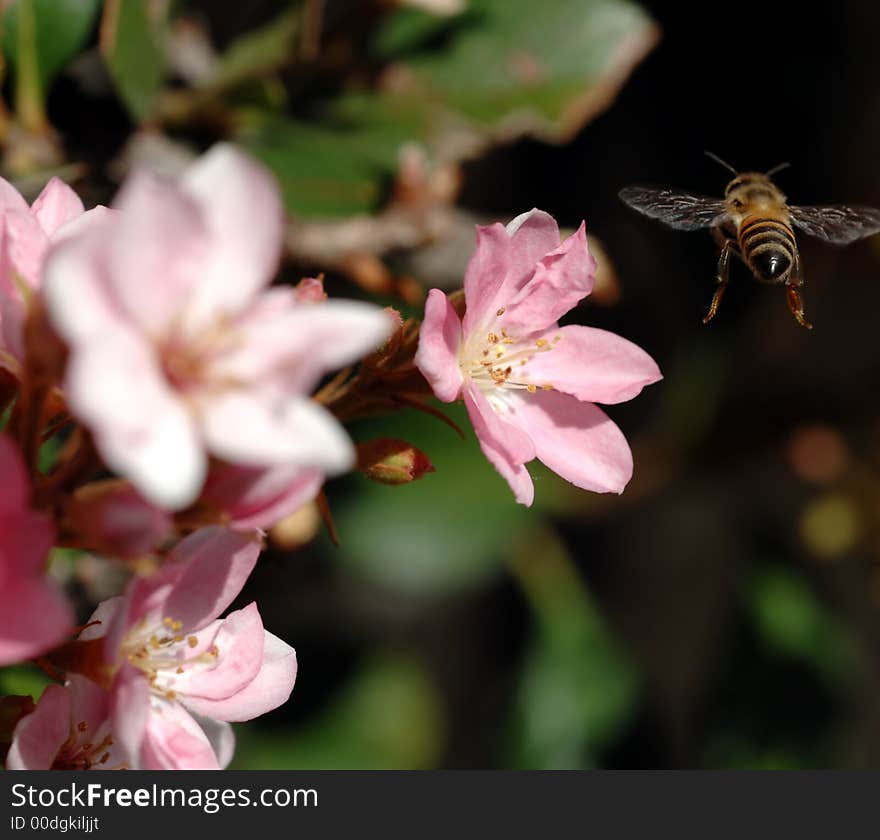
(25, 236)
(177, 347)
(180, 673)
(259, 498)
(69, 730)
(530, 385)
(34, 615)
(113, 518)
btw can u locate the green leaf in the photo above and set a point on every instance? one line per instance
(131, 47)
(340, 166)
(258, 51)
(23, 679)
(577, 689)
(511, 68)
(386, 717)
(446, 533)
(62, 28)
(793, 623)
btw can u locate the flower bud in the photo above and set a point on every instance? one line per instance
(12, 710)
(392, 461)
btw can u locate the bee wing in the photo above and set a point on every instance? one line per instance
(675, 208)
(838, 224)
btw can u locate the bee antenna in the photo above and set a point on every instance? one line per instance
(778, 168)
(717, 159)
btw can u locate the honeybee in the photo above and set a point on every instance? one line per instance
(754, 223)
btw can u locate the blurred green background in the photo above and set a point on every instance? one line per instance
(725, 610)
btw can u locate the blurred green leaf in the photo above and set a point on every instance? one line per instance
(577, 689)
(258, 51)
(131, 47)
(512, 68)
(793, 623)
(387, 717)
(341, 166)
(62, 27)
(444, 533)
(23, 679)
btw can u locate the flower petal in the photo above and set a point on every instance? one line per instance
(576, 440)
(38, 737)
(56, 205)
(15, 489)
(201, 577)
(239, 647)
(174, 741)
(22, 241)
(257, 497)
(243, 428)
(268, 690)
(157, 256)
(36, 617)
(297, 344)
(143, 431)
(220, 736)
(485, 275)
(561, 279)
(506, 446)
(439, 341)
(242, 212)
(129, 713)
(591, 364)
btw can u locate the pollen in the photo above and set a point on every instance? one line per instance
(541, 342)
(192, 641)
(531, 388)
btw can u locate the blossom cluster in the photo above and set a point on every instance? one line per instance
(192, 406)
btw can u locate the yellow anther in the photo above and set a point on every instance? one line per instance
(493, 338)
(531, 388)
(541, 342)
(192, 641)
(500, 312)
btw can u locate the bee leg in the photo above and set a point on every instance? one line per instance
(722, 279)
(793, 295)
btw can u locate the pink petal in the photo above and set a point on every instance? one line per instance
(576, 440)
(533, 235)
(130, 713)
(156, 257)
(506, 446)
(76, 288)
(36, 618)
(258, 498)
(241, 209)
(103, 618)
(299, 344)
(439, 341)
(220, 736)
(15, 488)
(485, 275)
(99, 217)
(561, 279)
(23, 243)
(38, 737)
(144, 432)
(89, 703)
(174, 741)
(593, 365)
(245, 428)
(270, 689)
(239, 644)
(200, 579)
(56, 205)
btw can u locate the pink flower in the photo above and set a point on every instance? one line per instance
(177, 347)
(68, 730)
(34, 615)
(25, 236)
(179, 673)
(530, 385)
(258, 498)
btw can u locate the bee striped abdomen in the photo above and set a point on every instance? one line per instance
(768, 246)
